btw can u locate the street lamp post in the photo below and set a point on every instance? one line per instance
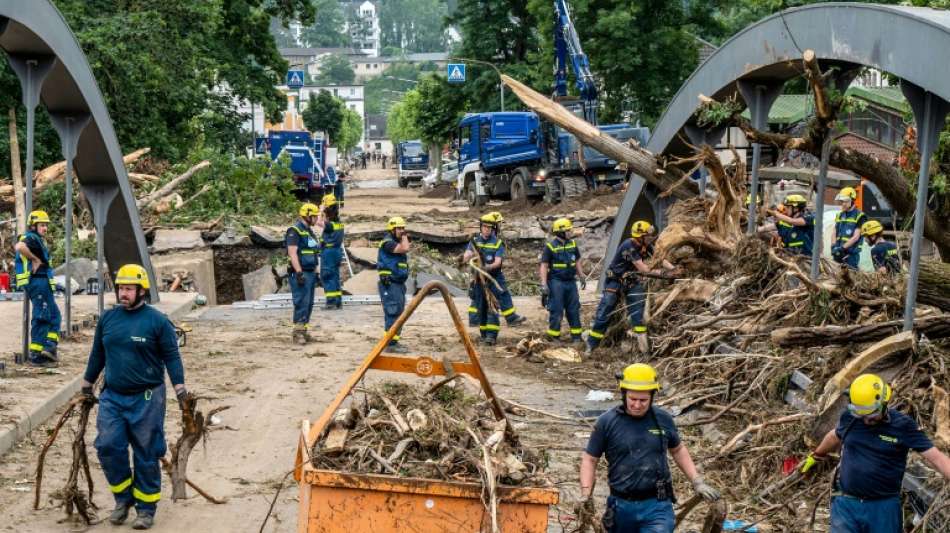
(501, 84)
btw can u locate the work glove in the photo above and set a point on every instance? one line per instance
(300, 279)
(583, 283)
(585, 509)
(705, 490)
(838, 251)
(545, 296)
(87, 396)
(808, 463)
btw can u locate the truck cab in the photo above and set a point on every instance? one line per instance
(413, 161)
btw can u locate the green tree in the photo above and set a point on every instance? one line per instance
(324, 113)
(327, 27)
(444, 105)
(413, 25)
(335, 70)
(351, 130)
(402, 121)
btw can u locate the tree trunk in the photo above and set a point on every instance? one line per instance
(934, 327)
(170, 187)
(934, 286)
(16, 172)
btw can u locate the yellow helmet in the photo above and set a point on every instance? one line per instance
(132, 275)
(309, 210)
(329, 200)
(639, 377)
(795, 200)
(37, 217)
(562, 224)
(493, 219)
(869, 394)
(395, 222)
(847, 193)
(641, 228)
(871, 227)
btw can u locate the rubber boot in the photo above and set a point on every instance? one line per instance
(143, 521)
(120, 513)
(516, 319)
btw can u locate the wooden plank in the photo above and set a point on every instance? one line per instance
(335, 442)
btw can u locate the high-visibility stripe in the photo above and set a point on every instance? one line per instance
(508, 312)
(402, 265)
(795, 244)
(577, 331)
(385, 272)
(36, 347)
(121, 486)
(147, 498)
(472, 309)
(639, 329)
(489, 246)
(559, 265)
(489, 327)
(336, 226)
(596, 334)
(783, 224)
(53, 336)
(307, 252)
(554, 333)
(328, 245)
(333, 294)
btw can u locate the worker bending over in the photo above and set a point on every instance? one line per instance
(331, 251)
(874, 440)
(846, 240)
(559, 270)
(636, 436)
(136, 345)
(490, 250)
(302, 249)
(34, 275)
(884, 253)
(392, 262)
(630, 259)
(795, 226)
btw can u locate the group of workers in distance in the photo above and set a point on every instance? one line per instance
(795, 227)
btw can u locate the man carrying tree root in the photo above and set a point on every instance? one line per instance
(302, 249)
(884, 254)
(135, 344)
(795, 226)
(874, 441)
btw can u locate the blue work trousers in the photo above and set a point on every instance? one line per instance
(472, 305)
(137, 420)
(488, 321)
(303, 296)
(393, 296)
(45, 322)
(563, 299)
(330, 276)
(635, 297)
(851, 260)
(854, 515)
(641, 516)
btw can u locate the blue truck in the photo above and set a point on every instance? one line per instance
(412, 162)
(518, 156)
(311, 160)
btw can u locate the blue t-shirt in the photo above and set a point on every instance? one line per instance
(636, 459)
(627, 254)
(562, 256)
(136, 348)
(489, 249)
(873, 458)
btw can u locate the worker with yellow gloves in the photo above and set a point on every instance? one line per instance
(302, 249)
(874, 441)
(846, 239)
(392, 262)
(490, 249)
(34, 276)
(795, 226)
(884, 253)
(135, 345)
(559, 271)
(636, 437)
(622, 279)
(331, 250)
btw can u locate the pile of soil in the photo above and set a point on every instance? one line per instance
(442, 190)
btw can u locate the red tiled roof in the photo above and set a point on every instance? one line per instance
(858, 143)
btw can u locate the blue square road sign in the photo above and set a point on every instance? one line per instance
(295, 79)
(455, 72)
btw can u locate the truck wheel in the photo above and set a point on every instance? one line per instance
(474, 199)
(402, 182)
(519, 192)
(551, 192)
(572, 186)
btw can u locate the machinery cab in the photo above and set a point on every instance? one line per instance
(499, 139)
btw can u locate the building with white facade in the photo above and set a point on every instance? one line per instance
(367, 68)
(362, 25)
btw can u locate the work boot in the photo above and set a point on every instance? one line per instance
(306, 335)
(395, 347)
(489, 341)
(119, 514)
(143, 521)
(516, 319)
(299, 336)
(42, 359)
(588, 351)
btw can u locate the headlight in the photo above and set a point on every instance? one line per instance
(541, 175)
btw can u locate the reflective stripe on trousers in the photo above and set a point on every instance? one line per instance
(564, 300)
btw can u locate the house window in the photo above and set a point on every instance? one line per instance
(379, 146)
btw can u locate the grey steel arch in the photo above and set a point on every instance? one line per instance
(908, 42)
(36, 30)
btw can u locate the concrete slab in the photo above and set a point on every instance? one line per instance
(259, 283)
(268, 236)
(176, 239)
(81, 270)
(362, 283)
(198, 264)
(363, 255)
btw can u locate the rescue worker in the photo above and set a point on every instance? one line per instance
(491, 252)
(392, 263)
(795, 226)
(846, 240)
(302, 249)
(874, 440)
(884, 253)
(331, 251)
(559, 270)
(630, 258)
(636, 437)
(34, 275)
(135, 344)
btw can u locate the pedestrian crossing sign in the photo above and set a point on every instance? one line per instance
(295, 79)
(456, 72)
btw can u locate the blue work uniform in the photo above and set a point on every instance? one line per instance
(135, 348)
(490, 249)
(797, 239)
(393, 271)
(641, 486)
(846, 223)
(866, 497)
(634, 293)
(331, 254)
(301, 236)
(38, 287)
(885, 254)
(562, 256)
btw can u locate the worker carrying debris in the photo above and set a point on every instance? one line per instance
(490, 290)
(34, 276)
(846, 239)
(135, 344)
(636, 436)
(874, 440)
(796, 225)
(622, 277)
(392, 262)
(331, 251)
(302, 249)
(884, 253)
(559, 271)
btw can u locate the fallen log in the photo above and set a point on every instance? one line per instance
(934, 286)
(933, 327)
(169, 188)
(842, 379)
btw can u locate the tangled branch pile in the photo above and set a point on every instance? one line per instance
(446, 434)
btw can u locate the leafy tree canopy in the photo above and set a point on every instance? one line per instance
(324, 113)
(335, 70)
